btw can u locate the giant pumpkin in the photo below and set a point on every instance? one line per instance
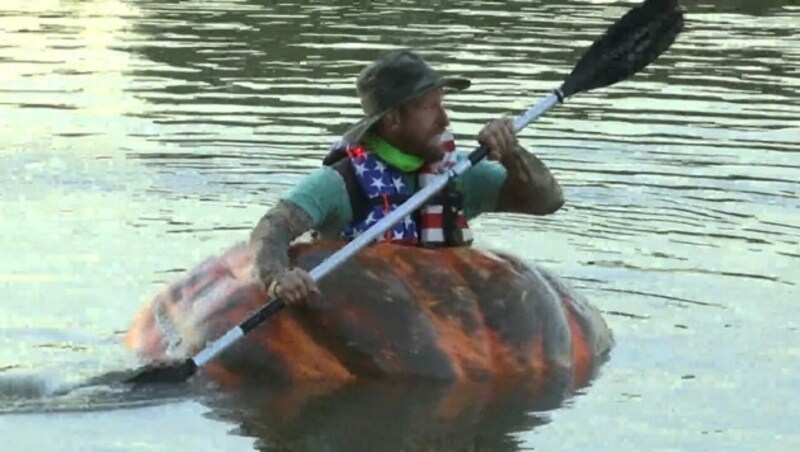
(392, 311)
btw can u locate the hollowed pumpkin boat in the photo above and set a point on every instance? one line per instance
(392, 311)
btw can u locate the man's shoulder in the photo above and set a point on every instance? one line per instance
(321, 194)
(461, 154)
(319, 178)
(482, 168)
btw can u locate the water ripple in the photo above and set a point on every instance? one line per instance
(152, 130)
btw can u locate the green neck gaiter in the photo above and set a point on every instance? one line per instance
(404, 162)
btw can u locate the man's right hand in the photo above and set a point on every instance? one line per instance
(293, 286)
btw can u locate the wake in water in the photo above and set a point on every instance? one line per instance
(30, 394)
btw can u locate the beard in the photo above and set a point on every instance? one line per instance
(429, 149)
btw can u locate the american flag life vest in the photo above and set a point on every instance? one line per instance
(439, 222)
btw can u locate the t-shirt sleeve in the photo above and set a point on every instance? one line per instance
(323, 195)
(481, 186)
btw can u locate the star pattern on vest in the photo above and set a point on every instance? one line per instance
(378, 181)
(361, 168)
(398, 183)
(378, 184)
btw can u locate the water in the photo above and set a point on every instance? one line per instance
(140, 136)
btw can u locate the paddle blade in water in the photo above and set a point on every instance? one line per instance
(164, 373)
(633, 42)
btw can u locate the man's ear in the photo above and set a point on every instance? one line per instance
(390, 122)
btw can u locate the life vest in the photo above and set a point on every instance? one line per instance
(375, 189)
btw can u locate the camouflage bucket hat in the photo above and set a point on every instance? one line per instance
(392, 80)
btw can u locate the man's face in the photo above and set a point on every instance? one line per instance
(421, 124)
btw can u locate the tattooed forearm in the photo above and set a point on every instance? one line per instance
(529, 186)
(272, 236)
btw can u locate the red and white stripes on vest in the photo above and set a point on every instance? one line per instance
(441, 221)
(432, 215)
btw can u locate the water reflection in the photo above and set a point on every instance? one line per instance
(387, 416)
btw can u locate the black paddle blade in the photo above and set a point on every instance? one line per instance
(164, 373)
(633, 42)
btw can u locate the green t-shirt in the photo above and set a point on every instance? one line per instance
(323, 195)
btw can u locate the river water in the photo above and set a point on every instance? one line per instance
(140, 136)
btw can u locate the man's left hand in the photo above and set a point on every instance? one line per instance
(499, 136)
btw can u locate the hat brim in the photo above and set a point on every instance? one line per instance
(357, 131)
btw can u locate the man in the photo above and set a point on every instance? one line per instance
(399, 144)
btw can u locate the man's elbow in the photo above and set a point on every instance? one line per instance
(548, 202)
(531, 201)
(260, 231)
